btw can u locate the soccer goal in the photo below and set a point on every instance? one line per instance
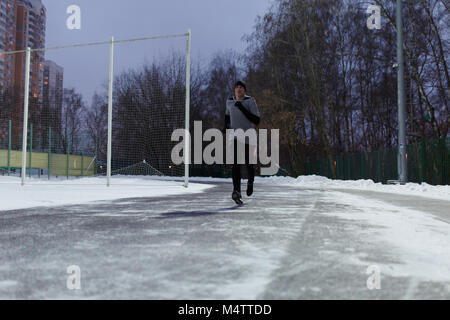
(106, 109)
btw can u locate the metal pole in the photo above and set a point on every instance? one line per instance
(68, 154)
(25, 114)
(82, 155)
(187, 110)
(402, 169)
(96, 155)
(110, 107)
(379, 165)
(422, 161)
(49, 151)
(31, 150)
(9, 148)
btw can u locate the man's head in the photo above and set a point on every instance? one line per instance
(240, 89)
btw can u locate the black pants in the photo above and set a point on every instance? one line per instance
(236, 170)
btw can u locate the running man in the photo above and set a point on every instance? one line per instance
(242, 113)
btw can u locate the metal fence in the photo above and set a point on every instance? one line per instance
(49, 153)
(427, 161)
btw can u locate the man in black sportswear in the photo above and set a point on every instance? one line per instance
(242, 113)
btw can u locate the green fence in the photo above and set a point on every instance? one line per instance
(49, 152)
(428, 161)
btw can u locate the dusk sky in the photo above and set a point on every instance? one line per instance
(216, 25)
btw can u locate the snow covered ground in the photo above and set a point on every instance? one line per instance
(57, 192)
(423, 189)
(304, 238)
(418, 238)
(441, 192)
(42, 192)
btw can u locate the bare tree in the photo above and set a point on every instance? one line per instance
(71, 121)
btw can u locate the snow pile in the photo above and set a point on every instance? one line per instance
(41, 192)
(319, 182)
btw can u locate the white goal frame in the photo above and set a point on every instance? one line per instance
(110, 99)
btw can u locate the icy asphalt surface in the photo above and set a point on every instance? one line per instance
(284, 243)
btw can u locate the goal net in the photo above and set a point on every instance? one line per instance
(105, 109)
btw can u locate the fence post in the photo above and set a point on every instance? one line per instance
(9, 148)
(344, 159)
(96, 156)
(347, 167)
(361, 173)
(82, 155)
(336, 164)
(344, 166)
(31, 150)
(337, 167)
(352, 169)
(40, 150)
(446, 163)
(67, 157)
(443, 151)
(422, 161)
(49, 151)
(379, 160)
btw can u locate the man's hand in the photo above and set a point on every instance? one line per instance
(254, 119)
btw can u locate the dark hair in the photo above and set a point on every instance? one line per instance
(240, 83)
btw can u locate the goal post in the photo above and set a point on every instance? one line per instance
(99, 109)
(187, 146)
(110, 110)
(25, 114)
(161, 102)
(186, 111)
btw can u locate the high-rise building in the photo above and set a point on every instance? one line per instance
(51, 110)
(24, 24)
(7, 43)
(30, 32)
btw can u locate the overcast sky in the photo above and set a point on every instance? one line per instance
(216, 25)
